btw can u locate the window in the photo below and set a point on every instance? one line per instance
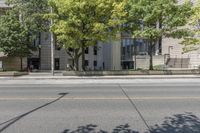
(95, 50)
(160, 46)
(86, 62)
(87, 50)
(95, 63)
(34, 42)
(123, 43)
(128, 49)
(123, 51)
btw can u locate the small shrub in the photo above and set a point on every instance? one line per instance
(139, 69)
(159, 67)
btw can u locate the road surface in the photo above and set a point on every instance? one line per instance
(127, 106)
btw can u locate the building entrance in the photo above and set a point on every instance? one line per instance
(34, 63)
(57, 64)
(128, 65)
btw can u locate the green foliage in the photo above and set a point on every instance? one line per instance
(14, 37)
(160, 18)
(140, 69)
(82, 21)
(78, 24)
(159, 67)
(192, 42)
(157, 19)
(31, 14)
(21, 25)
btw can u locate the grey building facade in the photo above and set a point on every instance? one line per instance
(102, 56)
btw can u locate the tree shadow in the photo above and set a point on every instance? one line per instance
(179, 123)
(10, 122)
(91, 128)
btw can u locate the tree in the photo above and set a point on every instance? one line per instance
(192, 42)
(31, 14)
(82, 23)
(14, 37)
(157, 19)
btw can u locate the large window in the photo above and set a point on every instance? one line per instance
(86, 62)
(95, 50)
(87, 50)
(95, 63)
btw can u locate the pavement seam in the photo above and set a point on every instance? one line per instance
(135, 107)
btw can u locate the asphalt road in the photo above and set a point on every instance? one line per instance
(161, 106)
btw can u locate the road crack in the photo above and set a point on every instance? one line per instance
(135, 107)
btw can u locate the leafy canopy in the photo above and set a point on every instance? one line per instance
(84, 22)
(193, 41)
(159, 18)
(14, 37)
(31, 12)
(153, 19)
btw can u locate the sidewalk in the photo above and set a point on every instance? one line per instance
(46, 76)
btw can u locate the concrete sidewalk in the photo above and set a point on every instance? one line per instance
(46, 76)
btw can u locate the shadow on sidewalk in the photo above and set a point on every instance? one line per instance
(15, 119)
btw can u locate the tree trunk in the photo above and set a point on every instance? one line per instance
(73, 64)
(75, 55)
(76, 59)
(135, 54)
(77, 63)
(21, 63)
(151, 55)
(83, 57)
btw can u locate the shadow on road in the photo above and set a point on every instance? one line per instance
(179, 123)
(93, 129)
(15, 119)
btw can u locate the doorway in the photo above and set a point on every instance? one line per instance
(57, 64)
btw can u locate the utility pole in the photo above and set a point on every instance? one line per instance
(52, 47)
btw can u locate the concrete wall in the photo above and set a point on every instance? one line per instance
(143, 72)
(13, 63)
(176, 51)
(116, 55)
(143, 61)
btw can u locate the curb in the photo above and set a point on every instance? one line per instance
(100, 78)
